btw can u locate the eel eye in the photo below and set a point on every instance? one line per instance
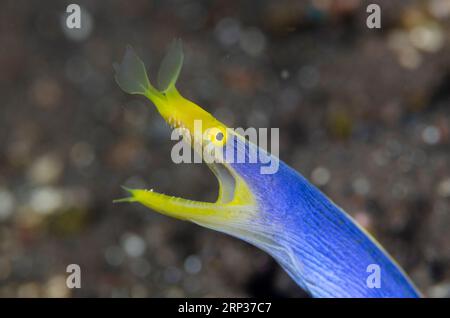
(216, 136)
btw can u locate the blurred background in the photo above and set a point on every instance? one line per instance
(364, 114)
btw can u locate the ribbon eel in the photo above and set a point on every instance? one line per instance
(318, 244)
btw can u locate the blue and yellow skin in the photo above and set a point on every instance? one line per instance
(317, 243)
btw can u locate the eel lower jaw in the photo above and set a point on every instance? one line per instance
(235, 202)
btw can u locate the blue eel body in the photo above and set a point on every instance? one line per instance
(315, 241)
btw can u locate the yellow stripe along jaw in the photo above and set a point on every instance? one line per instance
(235, 203)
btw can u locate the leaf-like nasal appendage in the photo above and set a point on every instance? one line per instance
(131, 75)
(170, 66)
